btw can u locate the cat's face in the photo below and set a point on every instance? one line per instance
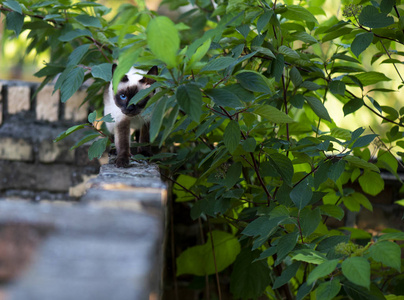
(129, 86)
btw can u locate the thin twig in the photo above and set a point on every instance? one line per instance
(394, 65)
(387, 148)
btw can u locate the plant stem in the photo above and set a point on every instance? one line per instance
(214, 259)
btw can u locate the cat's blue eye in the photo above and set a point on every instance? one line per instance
(123, 97)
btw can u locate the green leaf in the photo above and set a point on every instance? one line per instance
(301, 194)
(364, 141)
(371, 17)
(285, 245)
(73, 82)
(263, 50)
(249, 144)
(371, 183)
(318, 107)
(140, 95)
(332, 211)
(88, 21)
(286, 275)
(186, 182)
(232, 136)
(359, 162)
(309, 220)
(310, 85)
(328, 290)
(189, 98)
(102, 71)
(73, 34)
(264, 19)
(77, 55)
(387, 5)
(199, 53)
(98, 148)
(125, 62)
(13, 5)
(283, 165)
(361, 42)
(249, 279)
(14, 22)
(253, 81)
(341, 133)
(357, 270)
(371, 77)
(360, 293)
(163, 40)
(218, 64)
(352, 105)
(92, 116)
(309, 256)
(288, 52)
(396, 236)
(169, 124)
(157, 117)
(199, 260)
(69, 131)
(224, 97)
(337, 87)
(336, 33)
(233, 175)
(388, 253)
(299, 13)
(329, 243)
(273, 114)
(295, 77)
(277, 67)
(85, 139)
(304, 37)
(322, 270)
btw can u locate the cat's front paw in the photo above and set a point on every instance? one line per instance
(122, 161)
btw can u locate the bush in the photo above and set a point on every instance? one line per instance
(241, 98)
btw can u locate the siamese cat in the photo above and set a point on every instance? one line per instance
(126, 115)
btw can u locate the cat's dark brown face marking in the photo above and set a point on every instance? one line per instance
(128, 87)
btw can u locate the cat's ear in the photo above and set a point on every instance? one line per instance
(153, 71)
(113, 68)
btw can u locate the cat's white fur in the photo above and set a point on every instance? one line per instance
(134, 75)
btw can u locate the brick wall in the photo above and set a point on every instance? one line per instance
(31, 164)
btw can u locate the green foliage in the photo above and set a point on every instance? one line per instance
(245, 97)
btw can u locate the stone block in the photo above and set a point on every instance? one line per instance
(47, 104)
(50, 152)
(18, 99)
(75, 110)
(36, 177)
(90, 253)
(15, 149)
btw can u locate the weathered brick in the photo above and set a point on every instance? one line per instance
(74, 110)
(50, 152)
(47, 104)
(18, 99)
(36, 177)
(15, 149)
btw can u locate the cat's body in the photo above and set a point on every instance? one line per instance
(127, 116)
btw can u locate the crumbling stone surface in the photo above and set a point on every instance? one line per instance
(107, 246)
(91, 253)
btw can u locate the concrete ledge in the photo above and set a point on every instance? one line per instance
(110, 246)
